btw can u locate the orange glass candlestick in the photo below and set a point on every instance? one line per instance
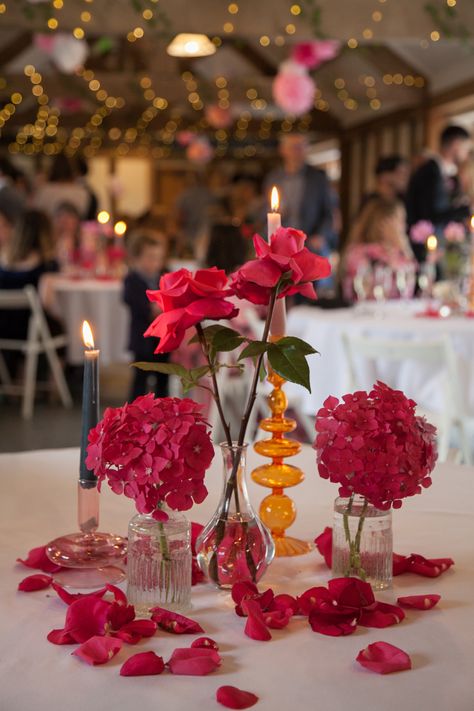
(277, 510)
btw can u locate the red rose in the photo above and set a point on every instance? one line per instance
(186, 300)
(285, 254)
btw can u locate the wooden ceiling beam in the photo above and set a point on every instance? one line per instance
(14, 47)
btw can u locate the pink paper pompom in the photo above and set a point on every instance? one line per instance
(217, 116)
(312, 54)
(293, 89)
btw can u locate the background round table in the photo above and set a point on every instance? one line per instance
(298, 668)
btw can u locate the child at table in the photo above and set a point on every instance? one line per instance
(147, 265)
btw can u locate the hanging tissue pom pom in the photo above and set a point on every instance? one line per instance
(293, 89)
(69, 53)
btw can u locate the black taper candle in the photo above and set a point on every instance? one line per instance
(90, 403)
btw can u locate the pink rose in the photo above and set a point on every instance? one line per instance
(187, 299)
(285, 254)
(312, 54)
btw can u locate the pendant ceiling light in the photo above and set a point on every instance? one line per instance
(191, 45)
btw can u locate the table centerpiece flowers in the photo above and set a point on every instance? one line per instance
(379, 452)
(235, 545)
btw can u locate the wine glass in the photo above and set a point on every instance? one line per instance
(363, 282)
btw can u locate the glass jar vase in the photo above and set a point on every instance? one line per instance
(235, 545)
(362, 545)
(159, 561)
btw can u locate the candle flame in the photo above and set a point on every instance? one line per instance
(87, 336)
(275, 199)
(432, 243)
(472, 222)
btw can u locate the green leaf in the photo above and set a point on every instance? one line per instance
(226, 339)
(255, 348)
(293, 342)
(197, 373)
(289, 364)
(167, 368)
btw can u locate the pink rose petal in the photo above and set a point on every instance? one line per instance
(68, 597)
(60, 637)
(134, 631)
(37, 558)
(351, 592)
(98, 650)
(35, 582)
(172, 622)
(205, 643)
(419, 602)
(380, 615)
(234, 698)
(384, 658)
(255, 627)
(196, 662)
(143, 664)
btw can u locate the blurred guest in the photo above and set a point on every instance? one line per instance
(378, 235)
(391, 179)
(12, 202)
(93, 205)
(62, 186)
(227, 248)
(192, 210)
(306, 201)
(28, 257)
(433, 192)
(67, 233)
(8, 219)
(246, 202)
(466, 180)
(147, 264)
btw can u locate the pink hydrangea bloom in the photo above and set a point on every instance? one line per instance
(421, 230)
(153, 450)
(373, 444)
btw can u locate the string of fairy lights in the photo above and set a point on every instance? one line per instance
(45, 134)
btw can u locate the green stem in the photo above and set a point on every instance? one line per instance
(355, 567)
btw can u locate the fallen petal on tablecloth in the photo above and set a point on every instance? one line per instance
(38, 581)
(381, 615)
(205, 643)
(37, 558)
(133, 632)
(384, 658)
(69, 598)
(143, 664)
(196, 662)
(98, 650)
(234, 698)
(419, 602)
(255, 627)
(172, 622)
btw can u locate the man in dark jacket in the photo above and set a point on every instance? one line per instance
(148, 259)
(433, 192)
(305, 195)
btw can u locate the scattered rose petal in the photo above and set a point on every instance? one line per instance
(400, 564)
(277, 619)
(243, 589)
(264, 600)
(37, 558)
(380, 615)
(419, 602)
(205, 643)
(309, 599)
(428, 567)
(234, 698)
(384, 658)
(284, 602)
(35, 582)
(120, 614)
(333, 622)
(351, 592)
(98, 650)
(197, 661)
(60, 637)
(119, 595)
(134, 631)
(323, 543)
(172, 622)
(68, 597)
(87, 617)
(143, 664)
(255, 627)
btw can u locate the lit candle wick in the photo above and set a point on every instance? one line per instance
(87, 335)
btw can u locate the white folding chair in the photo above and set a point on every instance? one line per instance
(39, 340)
(439, 353)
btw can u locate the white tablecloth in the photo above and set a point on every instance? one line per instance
(100, 302)
(297, 669)
(323, 329)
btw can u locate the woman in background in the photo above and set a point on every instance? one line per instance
(62, 187)
(67, 233)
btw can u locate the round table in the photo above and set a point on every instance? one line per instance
(100, 302)
(298, 668)
(323, 329)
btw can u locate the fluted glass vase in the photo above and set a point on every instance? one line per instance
(159, 562)
(362, 544)
(235, 546)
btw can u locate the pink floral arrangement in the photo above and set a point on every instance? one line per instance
(421, 230)
(361, 255)
(153, 450)
(293, 89)
(312, 54)
(373, 444)
(455, 232)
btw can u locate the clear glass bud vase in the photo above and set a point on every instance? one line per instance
(362, 544)
(235, 546)
(159, 561)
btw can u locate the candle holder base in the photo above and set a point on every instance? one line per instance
(89, 578)
(287, 546)
(99, 553)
